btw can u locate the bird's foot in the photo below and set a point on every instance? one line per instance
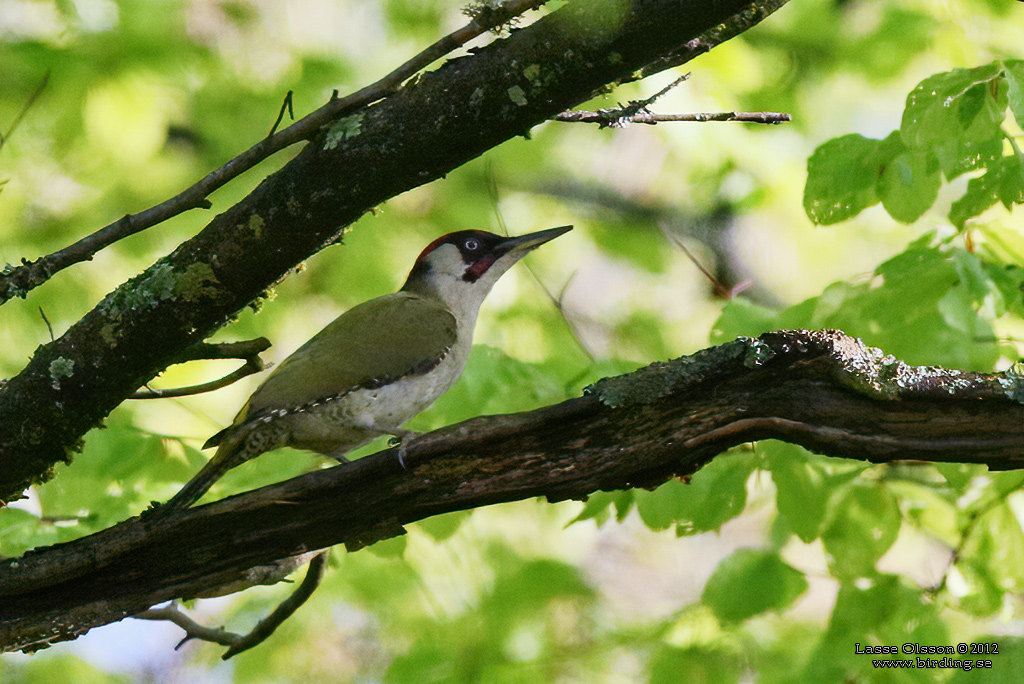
(401, 439)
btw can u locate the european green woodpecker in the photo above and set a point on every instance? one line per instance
(375, 366)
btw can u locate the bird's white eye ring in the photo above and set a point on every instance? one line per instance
(471, 244)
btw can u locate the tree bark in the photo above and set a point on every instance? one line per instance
(431, 126)
(822, 390)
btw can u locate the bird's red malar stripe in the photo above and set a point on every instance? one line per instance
(478, 268)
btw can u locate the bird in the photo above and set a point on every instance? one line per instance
(375, 366)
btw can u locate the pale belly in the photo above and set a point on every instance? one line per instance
(336, 427)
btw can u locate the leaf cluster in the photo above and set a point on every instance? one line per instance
(952, 125)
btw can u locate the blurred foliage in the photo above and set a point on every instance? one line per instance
(770, 563)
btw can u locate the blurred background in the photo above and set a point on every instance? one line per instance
(146, 96)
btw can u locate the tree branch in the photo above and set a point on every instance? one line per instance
(616, 117)
(18, 281)
(822, 390)
(248, 350)
(263, 629)
(418, 134)
(636, 111)
(193, 630)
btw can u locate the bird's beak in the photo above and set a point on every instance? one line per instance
(522, 244)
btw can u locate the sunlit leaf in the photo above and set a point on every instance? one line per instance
(441, 527)
(1002, 182)
(909, 185)
(841, 179)
(864, 524)
(1014, 71)
(750, 582)
(965, 103)
(804, 487)
(714, 495)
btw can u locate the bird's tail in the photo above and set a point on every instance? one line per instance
(229, 454)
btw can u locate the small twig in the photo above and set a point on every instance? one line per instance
(557, 302)
(615, 117)
(16, 281)
(264, 628)
(285, 106)
(193, 630)
(720, 289)
(492, 189)
(223, 350)
(656, 96)
(620, 116)
(635, 111)
(46, 320)
(4, 137)
(253, 365)
(956, 553)
(248, 350)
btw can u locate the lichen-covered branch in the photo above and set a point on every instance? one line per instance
(417, 134)
(17, 281)
(823, 390)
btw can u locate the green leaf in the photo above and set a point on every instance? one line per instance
(968, 104)
(642, 246)
(597, 504)
(58, 668)
(21, 531)
(909, 185)
(393, 547)
(751, 582)
(803, 488)
(841, 178)
(992, 559)
(1007, 660)
(930, 507)
(1003, 181)
(865, 524)
(958, 156)
(441, 527)
(424, 662)
(960, 475)
(493, 382)
(977, 592)
(1014, 73)
(881, 611)
(661, 508)
(740, 316)
(715, 494)
(520, 592)
(672, 665)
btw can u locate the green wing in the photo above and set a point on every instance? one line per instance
(377, 341)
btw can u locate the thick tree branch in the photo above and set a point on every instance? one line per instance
(423, 131)
(820, 389)
(16, 281)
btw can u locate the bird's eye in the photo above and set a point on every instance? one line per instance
(471, 244)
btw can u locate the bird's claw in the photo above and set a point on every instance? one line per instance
(402, 441)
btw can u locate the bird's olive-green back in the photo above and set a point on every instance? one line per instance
(383, 339)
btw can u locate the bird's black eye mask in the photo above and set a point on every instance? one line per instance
(479, 251)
